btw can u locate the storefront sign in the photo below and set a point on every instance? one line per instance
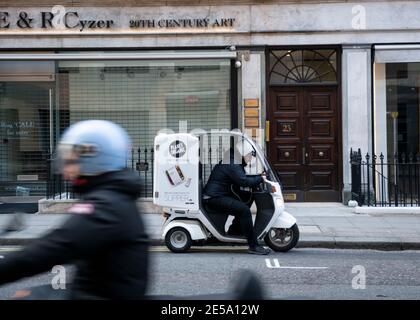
(60, 18)
(17, 129)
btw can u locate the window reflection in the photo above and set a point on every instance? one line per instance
(24, 137)
(37, 105)
(402, 96)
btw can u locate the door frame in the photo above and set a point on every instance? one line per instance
(339, 50)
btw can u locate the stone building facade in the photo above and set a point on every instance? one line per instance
(310, 79)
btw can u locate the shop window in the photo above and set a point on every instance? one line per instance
(397, 133)
(24, 137)
(402, 108)
(37, 104)
(145, 97)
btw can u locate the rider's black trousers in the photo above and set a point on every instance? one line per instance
(239, 209)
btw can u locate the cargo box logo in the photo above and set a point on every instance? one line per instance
(177, 149)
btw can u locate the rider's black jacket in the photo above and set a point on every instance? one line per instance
(225, 174)
(104, 237)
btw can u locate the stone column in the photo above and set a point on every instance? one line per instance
(252, 84)
(356, 107)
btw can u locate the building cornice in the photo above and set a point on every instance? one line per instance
(160, 3)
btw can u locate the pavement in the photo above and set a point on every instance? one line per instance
(322, 225)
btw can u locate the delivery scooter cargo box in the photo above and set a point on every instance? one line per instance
(176, 171)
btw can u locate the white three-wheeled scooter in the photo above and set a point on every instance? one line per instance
(180, 172)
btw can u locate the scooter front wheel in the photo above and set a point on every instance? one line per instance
(282, 240)
(178, 240)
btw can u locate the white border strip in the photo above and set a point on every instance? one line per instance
(398, 47)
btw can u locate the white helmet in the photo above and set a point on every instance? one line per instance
(244, 148)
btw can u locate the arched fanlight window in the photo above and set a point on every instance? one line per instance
(303, 66)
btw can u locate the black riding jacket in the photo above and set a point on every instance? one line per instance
(104, 237)
(224, 175)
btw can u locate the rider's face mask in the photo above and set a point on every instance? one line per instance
(67, 161)
(250, 157)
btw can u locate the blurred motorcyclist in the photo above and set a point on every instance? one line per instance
(104, 237)
(220, 196)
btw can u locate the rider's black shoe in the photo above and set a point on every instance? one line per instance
(258, 250)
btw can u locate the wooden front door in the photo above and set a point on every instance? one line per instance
(303, 146)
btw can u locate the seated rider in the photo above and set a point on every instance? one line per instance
(219, 194)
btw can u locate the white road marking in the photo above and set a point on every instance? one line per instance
(285, 267)
(275, 264)
(1, 257)
(10, 248)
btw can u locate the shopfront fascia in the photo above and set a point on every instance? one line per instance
(41, 94)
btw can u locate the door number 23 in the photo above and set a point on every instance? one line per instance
(286, 128)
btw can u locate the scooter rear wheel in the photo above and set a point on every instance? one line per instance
(178, 240)
(282, 240)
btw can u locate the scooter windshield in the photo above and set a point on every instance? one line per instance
(272, 175)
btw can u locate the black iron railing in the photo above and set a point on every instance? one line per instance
(140, 161)
(57, 188)
(377, 181)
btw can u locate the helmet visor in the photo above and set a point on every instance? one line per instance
(65, 155)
